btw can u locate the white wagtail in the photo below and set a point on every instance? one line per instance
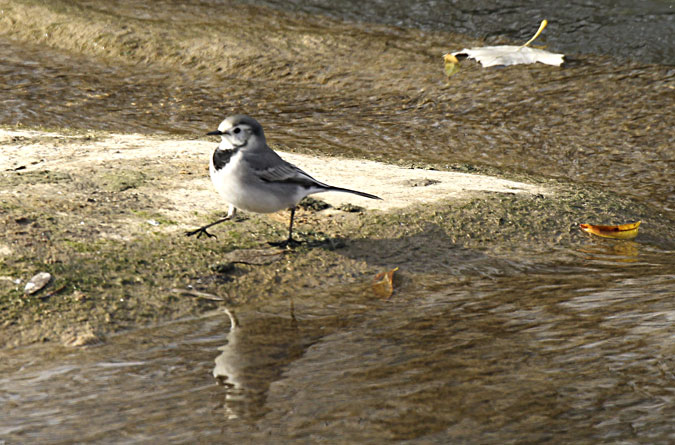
(251, 176)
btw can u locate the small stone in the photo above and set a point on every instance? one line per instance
(314, 205)
(37, 283)
(223, 268)
(78, 296)
(424, 182)
(351, 208)
(80, 336)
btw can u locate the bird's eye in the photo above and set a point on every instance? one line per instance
(236, 130)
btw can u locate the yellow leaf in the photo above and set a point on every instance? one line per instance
(383, 285)
(622, 231)
(451, 64)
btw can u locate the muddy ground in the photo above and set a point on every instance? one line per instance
(106, 214)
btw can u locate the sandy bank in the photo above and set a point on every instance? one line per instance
(190, 190)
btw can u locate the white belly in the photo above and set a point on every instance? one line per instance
(240, 188)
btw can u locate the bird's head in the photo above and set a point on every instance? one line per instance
(239, 131)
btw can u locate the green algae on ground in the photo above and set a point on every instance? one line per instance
(115, 271)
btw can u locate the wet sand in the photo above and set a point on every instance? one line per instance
(106, 215)
(103, 213)
(111, 188)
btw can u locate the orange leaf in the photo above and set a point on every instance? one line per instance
(622, 231)
(383, 285)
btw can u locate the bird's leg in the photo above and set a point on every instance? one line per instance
(290, 226)
(290, 242)
(231, 211)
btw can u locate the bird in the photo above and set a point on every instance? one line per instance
(250, 176)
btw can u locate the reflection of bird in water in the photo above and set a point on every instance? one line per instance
(226, 371)
(255, 355)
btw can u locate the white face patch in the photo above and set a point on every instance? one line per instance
(226, 144)
(233, 136)
(239, 135)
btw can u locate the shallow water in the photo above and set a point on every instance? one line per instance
(597, 122)
(642, 30)
(580, 352)
(570, 346)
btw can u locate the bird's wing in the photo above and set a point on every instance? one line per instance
(270, 167)
(289, 173)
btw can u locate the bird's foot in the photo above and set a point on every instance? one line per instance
(285, 244)
(199, 232)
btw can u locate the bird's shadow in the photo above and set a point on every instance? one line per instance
(428, 250)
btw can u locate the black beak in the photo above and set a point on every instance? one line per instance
(215, 133)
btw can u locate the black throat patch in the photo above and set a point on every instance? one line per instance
(222, 157)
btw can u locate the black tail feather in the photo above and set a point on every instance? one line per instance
(354, 192)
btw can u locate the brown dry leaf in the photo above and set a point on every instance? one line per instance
(383, 284)
(621, 231)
